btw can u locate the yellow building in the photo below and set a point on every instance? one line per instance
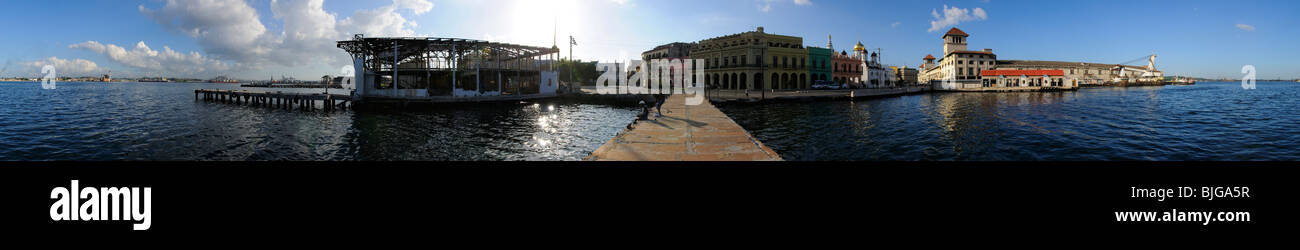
(754, 60)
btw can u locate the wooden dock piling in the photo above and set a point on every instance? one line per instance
(281, 100)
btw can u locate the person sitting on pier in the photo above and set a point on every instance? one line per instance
(645, 111)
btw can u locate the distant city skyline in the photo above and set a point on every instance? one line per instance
(258, 39)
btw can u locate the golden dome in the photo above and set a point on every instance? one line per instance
(859, 47)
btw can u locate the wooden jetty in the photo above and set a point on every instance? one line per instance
(277, 99)
(684, 133)
(459, 99)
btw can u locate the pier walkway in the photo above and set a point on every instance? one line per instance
(684, 133)
(277, 99)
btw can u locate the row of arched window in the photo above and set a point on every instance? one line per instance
(737, 81)
(777, 61)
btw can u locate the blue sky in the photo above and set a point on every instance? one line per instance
(257, 39)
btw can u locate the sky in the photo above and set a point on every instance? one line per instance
(260, 39)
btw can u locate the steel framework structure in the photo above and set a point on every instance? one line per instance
(418, 60)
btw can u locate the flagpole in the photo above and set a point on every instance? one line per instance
(571, 61)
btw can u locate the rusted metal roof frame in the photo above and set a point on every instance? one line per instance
(410, 46)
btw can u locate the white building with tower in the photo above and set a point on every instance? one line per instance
(958, 68)
(964, 70)
(874, 73)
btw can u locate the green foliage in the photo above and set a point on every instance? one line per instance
(577, 71)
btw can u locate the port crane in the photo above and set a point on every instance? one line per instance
(1143, 74)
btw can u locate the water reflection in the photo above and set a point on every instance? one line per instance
(1208, 121)
(527, 131)
(162, 121)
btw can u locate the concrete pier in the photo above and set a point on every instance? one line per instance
(684, 133)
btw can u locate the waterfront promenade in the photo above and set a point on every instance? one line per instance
(684, 133)
(755, 95)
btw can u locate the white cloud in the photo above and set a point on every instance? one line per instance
(895, 24)
(766, 5)
(417, 6)
(71, 67)
(619, 2)
(226, 29)
(144, 58)
(1245, 27)
(953, 16)
(384, 21)
(230, 30)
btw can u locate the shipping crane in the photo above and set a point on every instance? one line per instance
(1144, 74)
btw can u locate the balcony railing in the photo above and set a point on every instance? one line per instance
(757, 66)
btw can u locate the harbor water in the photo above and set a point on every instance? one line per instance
(1207, 121)
(162, 121)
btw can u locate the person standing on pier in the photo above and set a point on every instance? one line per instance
(659, 104)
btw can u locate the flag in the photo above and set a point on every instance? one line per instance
(572, 42)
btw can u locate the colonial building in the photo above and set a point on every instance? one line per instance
(1023, 78)
(754, 60)
(904, 75)
(847, 69)
(669, 51)
(677, 50)
(958, 68)
(921, 74)
(874, 74)
(820, 59)
(909, 76)
(961, 69)
(1081, 73)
